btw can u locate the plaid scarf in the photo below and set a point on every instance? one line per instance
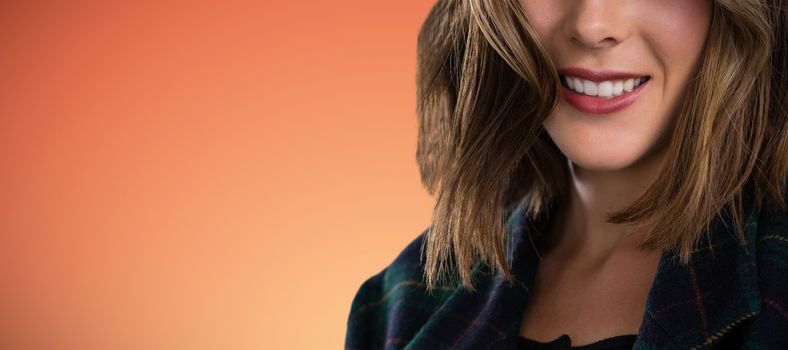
(729, 296)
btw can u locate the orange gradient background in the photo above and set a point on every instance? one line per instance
(202, 175)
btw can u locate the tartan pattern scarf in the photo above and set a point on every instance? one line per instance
(729, 296)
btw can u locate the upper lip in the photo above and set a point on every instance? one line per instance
(598, 75)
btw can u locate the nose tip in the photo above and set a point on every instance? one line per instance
(597, 24)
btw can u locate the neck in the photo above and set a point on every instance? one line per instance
(581, 229)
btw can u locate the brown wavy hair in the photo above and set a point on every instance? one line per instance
(485, 84)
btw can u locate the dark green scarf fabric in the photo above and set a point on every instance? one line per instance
(728, 297)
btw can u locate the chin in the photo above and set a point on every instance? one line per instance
(603, 159)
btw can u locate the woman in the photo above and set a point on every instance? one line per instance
(609, 175)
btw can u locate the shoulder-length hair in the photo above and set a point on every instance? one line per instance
(485, 84)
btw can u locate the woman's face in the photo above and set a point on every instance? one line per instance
(591, 41)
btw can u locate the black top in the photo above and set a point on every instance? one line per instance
(620, 342)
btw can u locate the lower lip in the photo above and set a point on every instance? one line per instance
(598, 105)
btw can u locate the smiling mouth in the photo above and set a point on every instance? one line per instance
(603, 89)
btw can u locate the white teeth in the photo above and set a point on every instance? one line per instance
(629, 85)
(618, 88)
(578, 85)
(605, 89)
(589, 87)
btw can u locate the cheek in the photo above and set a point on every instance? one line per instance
(676, 31)
(542, 15)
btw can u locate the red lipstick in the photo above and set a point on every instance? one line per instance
(600, 105)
